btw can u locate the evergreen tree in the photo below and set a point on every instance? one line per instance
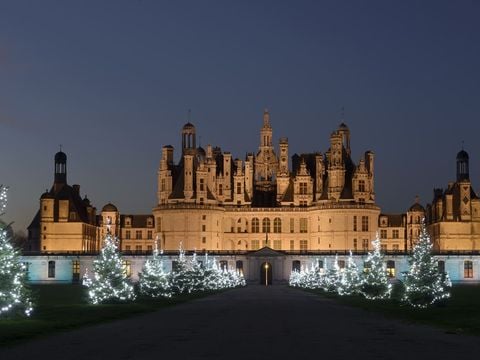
(110, 282)
(350, 280)
(331, 279)
(14, 295)
(153, 280)
(179, 277)
(375, 283)
(424, 285)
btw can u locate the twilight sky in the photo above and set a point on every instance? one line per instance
(112, 81)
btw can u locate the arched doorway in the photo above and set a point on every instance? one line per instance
(266, 271)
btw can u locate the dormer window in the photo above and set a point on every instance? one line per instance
(128, 222)
(149, 222)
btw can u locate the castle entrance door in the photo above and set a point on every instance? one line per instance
(266, 271)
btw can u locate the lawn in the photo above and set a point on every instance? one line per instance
(63, 307)
(460, 314)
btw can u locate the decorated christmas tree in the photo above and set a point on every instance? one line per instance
(331, 279)
(110, 282)
(179, 276)
(14, 295)
(375, 283)
(350, 279)
(153, 280)
(424, 284)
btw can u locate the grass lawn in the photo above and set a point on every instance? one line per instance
(63, 307)
(460, 314)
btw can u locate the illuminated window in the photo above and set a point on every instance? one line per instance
(277, 225)
(127, 235)
(127, 267)
(383, 234)
(75, 270)
(355, 223)
(149, 234)
(239, 267)
(468, 269)
(391, 268)
(255, 225)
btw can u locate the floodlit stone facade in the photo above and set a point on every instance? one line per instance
(210, 201)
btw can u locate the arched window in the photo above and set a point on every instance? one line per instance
(255, 225)
(51, 269)
(239, 267)
(277, 225)
(296, 265)
(266, 225)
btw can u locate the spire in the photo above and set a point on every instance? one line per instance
(266, 118)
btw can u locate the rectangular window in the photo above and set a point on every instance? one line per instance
(202, 184)
(128, 248)
(204, 240)
(303, 225)
(303, 203)
(383, 247)
(395, 234)
(220, 189)
(468, 269)
(149, 248)
(163, 185)
(51, 269)
(355, 245)
(292, 245)
(364, 223)
(159, 224)
(292, 225)
(255, 244)
(75, 271)
(127, 267)
(383, 234)
(277, 244)
(303, 188)
(396, 247)
(204, 217)
(355, 223)
(303, 245)
(341, 264)
(149, 234)
(365, 244)
(239, 188)
(441, 266)
(138, 234)
(361, 185)
(204, 228)
(391, 268)
(138, 247)
(223, 265)
(127, 235)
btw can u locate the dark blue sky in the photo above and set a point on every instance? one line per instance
(112, 82)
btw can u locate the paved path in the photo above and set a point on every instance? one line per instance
(255, 322)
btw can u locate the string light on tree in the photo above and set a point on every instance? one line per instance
(14, 294)
(109, 282)
(424, 284)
